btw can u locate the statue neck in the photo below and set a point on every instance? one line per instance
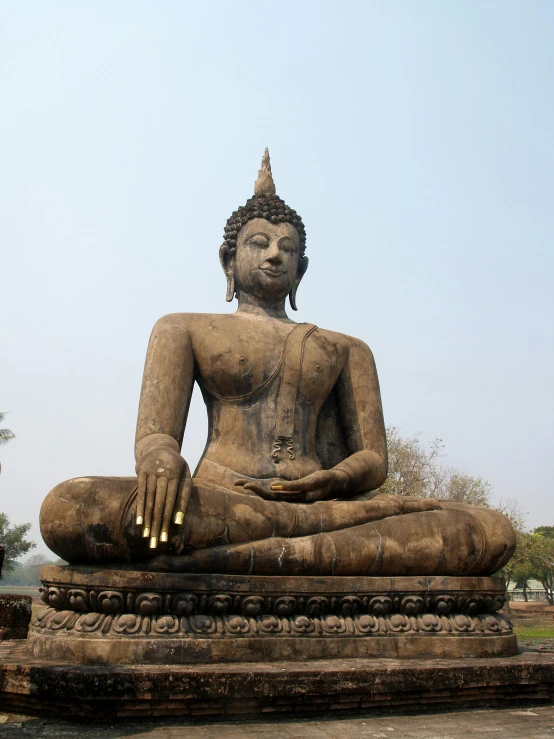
(256, 307)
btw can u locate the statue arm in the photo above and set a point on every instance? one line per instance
(166, 386)
(164, 481)
(361, 413)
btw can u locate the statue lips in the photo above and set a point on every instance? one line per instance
(273, 272)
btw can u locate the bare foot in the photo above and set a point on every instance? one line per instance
(419, 505)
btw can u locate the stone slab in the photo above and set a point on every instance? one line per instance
(254, 690)
(131, 578)
(100, 649)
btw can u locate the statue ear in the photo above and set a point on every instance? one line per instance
(302, 267)
(227, 259)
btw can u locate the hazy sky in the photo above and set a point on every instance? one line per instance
(416, 139)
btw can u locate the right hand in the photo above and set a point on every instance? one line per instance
(319, 485)
(164, 486)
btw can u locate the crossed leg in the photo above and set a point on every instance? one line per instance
(91, 520)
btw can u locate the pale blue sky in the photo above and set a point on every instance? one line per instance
(416, 139)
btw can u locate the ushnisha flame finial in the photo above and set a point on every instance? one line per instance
(265, 203)
(264, 185)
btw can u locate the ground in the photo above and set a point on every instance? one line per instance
(513, 723)
(532, 621)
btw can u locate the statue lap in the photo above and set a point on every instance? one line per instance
(91, 520)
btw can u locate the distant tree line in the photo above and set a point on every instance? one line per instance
(27, 574)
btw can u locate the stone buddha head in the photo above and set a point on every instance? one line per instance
(263, 253)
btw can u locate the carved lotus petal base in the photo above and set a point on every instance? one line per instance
(100, 616)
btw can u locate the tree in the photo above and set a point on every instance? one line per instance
(533, 560)
(546, 531)
(13, 538)
(5, 434)
(521, 566)
(464, 488)
(416, 469)
(511, 508)
(543, 565)
(27, 573)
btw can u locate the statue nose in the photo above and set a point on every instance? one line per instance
(274, 256)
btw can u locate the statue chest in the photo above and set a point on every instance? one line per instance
(238, 365)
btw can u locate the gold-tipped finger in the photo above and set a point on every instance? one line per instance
(183, 496)
(159, 506)
(151, 484)
(141, 498)
(276, 487)
(170, 501)
(163, 537)
(153, 543)
(145, 532)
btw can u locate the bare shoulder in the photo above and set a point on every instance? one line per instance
(346, 343)
(190, 323)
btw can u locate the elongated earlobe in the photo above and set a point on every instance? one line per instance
(302, 267)
(230, 287)
(226, 257)
(292, 296)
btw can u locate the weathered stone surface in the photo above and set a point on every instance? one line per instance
(129, 639)
(72, 586)
(125, 616)
(15, 615)
(256, 689)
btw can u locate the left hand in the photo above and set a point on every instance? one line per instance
(319, 485)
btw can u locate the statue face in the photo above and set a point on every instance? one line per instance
(266, 259)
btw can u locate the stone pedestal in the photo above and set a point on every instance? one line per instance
(259, 691)
(125, 617)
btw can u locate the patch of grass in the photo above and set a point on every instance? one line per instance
(533, 625)
(535, 633)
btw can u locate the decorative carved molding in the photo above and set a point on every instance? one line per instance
(260, 624)
(170, 603)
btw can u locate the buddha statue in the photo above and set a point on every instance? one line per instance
(296, 451)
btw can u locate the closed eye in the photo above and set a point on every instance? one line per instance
(287, 245)
(259, 240)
